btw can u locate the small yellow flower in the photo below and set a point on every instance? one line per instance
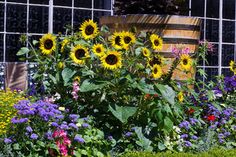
(156, 71)
(89, 29)
(157, 42)
(112, 60)
(98, 49)
(185, 62)
(146, 52)
(47, 44)
(63, 44)
(180, 96)
(232, 66)
(77, 78)
(60, 65)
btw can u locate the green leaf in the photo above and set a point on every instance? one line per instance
(81, 42)
(35, 42)
(168, 124)
(90, 86)
(146, 88)
(22, 51)
(67, 74)
(123, 112)
(53, 79)
(167, 92)
(161, 146)
(143, 141)
(138, 51)
(16, 146)
(104, 29)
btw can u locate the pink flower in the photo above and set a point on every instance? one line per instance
(178, 51)
(75, 90)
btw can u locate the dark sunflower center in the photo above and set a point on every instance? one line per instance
(48, 44)
(111, 59)
(117, 40)
(80, 53)
(89, 30)
(155, 70)
(156, 42)
(127, 39)
(156, 60)
(185, 61)
(145, 52)
(98, 50)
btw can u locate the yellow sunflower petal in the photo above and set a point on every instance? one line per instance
(180, 96)
(127, 38)
(185, 62)
(232, 66)
(63, 44)
(156, 71)
(146, 52)
(112, 60)
(99, 50)
(79, 53)
(47, 44)
(89, 29)
(157, 42)
(116, 40)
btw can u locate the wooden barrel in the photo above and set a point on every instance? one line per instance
(174, 30)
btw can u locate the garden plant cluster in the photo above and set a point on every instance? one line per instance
(102, 93)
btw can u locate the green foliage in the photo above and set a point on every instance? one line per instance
(217, 152)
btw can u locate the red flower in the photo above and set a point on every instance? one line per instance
(211, 118)
(155, 95)
(191, 111)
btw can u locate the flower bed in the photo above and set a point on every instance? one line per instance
(97, 93)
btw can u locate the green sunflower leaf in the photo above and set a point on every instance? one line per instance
(167, 92)
(123, 112)
(87, 85)
(22, 51)
(67, 74)
(143, 141)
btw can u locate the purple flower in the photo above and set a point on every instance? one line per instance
(193, 121)
(72, 125)
(64, 126)
(194, 137)
(54, 124)
(188, 144)
(227, 134)
(85, 125)
(221, 140)
(49, 135)
(221, 136)
(7, 140)
(34, 136)
(29, 129)
(128, 134)
(110, 138)
(184, 136)
(79, 139)
(184, 124)
(73, 117)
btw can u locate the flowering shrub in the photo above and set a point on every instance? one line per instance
(117, 79)
(46, 130)
(7, 99)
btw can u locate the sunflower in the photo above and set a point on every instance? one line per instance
(232, 66)
(77, 78)
(78, 54)
(180, 96)
(157, 59)
(89, 29)
(112, 60)
(63, 44)
(116, 40)
(156, 71)
(146, 52)
(185, 62)
(48, 44)
(98, 49)
(156, 41)
(127, 38)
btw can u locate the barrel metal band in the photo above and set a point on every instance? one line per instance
(180, 41)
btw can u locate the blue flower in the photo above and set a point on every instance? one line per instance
(194, 137)
(29, 129)
(79, 139)
(72, 125)
(85, 125)
(184, 136)
(184, 124)
(34, 136)
(128, 134)
(54, 124)
(7, 140)
(188, 144)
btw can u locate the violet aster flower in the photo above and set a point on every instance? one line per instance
(184, 124)
(54, 124)
(72, 125)
(128, 134)
(29, 129)
(184, 136)
(34, 136)
(188, 144)
(79, 139)
(85, 125)
(73, 117)
(49, 135)
(194, 137)
(7, 140)
(110, 138)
